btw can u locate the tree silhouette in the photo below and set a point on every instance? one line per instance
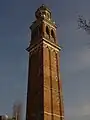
(17, 110)
(83, 24)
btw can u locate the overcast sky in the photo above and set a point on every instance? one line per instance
(15, 19)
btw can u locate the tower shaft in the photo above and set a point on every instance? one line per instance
(44, 93)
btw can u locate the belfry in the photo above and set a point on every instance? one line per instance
(44, 92)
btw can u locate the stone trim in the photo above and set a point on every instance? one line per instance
(51, 45)
(50, 24)
(45, 44)
(53, 114)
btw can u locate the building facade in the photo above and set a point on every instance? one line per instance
(44, 92)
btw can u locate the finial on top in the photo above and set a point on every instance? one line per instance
(43, 11)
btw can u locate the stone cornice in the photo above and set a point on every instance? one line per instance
(46, 42)
(51, 44)
(37, 22)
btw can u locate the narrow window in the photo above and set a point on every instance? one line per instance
(52, 34)
(47, 30)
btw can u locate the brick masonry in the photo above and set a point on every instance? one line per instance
(44, 92)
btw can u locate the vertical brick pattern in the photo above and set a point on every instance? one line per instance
(53, 100)
(60, 86)
(47, 117)
(35, 87)
(47, 92)
(44, 97)
(55, 89)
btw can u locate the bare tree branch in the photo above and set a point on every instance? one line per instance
(82, 23)
(17, 109)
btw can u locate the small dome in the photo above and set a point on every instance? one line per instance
(43, 11)
(44, 7)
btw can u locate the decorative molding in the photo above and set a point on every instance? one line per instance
(50, 25)
(52, 49)
(56, 48)
(53, 114)
(45, 44)
(56, 52)
(36, 47)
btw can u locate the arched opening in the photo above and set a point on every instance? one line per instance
(52, 34)
(48, 15)
(47, 30)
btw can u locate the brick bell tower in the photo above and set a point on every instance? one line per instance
(44, 93)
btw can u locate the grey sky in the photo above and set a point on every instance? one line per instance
(15, 18)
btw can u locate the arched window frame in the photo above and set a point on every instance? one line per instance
(53, 34)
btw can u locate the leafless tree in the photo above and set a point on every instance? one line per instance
(82, 23)
(17, 109)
